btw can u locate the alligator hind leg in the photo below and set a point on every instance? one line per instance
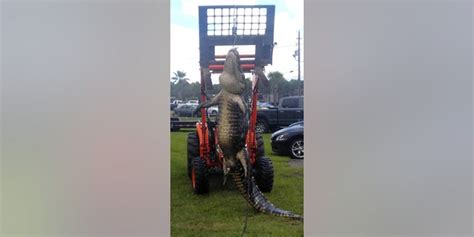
(226, 169)
(242, 157)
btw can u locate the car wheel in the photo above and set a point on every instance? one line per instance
(296, 148)
(261, 126)
(199, 178)
(193, 150)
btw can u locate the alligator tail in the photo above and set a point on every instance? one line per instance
(255, 197)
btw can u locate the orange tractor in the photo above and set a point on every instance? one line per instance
(230, 26)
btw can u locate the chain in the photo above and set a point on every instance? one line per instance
(234, 26)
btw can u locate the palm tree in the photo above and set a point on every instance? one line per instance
(279, 85)
(179, 76)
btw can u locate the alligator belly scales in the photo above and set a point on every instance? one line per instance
(232, 127)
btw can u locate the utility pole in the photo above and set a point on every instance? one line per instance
(299, 62)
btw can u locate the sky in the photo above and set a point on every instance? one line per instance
(185, 36)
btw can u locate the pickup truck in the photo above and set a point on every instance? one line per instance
(289, 110)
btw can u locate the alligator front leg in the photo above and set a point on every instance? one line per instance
(210, 103)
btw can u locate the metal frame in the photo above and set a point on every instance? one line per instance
(211, 63)
(263, 42)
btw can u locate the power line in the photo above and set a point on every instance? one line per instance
(285, 46)
(299, 63)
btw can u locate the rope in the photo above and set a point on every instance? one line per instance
(249, 168)
(249, 189)
(246, 218)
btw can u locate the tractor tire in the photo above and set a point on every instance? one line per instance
(193, 150)
(199, 176)
(260, 145)
(263, 173)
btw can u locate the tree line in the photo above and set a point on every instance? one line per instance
(184, 90)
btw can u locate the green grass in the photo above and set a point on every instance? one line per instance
(222, 211)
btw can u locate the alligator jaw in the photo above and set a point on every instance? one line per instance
(255, 197)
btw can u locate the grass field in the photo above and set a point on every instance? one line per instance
(222, 211)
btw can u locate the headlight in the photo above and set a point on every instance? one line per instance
(282, 137)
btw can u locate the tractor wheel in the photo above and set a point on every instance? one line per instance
(261, 126)
(264, 174)
(260, 145)
(193, 150)
(199, 180)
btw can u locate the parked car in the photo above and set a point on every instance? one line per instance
(173, 106)
(186, 110)
(193, 102)
(264, 105)
(213, 110)
(289, 141)
(289, 110)
(176, 104)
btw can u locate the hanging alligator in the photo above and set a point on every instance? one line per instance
(233, 122)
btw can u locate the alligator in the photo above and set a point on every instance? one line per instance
(232, 120)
